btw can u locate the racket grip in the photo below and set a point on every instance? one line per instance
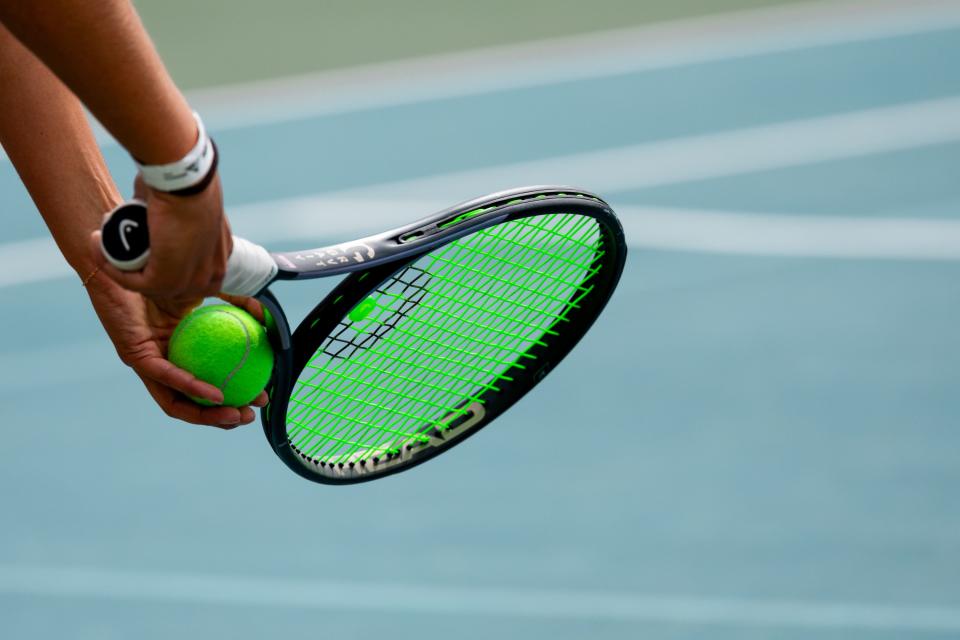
(250, 268)
(125, 242)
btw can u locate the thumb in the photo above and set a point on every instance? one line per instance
(139, 187)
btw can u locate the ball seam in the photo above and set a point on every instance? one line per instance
(246, 350)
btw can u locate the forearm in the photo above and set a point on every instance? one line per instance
(118, 67)
(46, 135)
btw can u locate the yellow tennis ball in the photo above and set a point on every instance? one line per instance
(227, 347)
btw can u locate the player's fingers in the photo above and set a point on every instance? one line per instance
(250, 305)
(170, 375)
(152, 280)
(181, 408)
(261, 400)
(176, 307)
(95, 250)
(247, 415)
(222, 417)
(139, 187)
(132, 280)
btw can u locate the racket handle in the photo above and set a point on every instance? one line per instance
(125, 242)
(125, 237)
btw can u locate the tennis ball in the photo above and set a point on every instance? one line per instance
(227, 347)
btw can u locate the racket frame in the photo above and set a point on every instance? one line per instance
(391, 252)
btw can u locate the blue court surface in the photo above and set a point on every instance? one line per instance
(759, 439)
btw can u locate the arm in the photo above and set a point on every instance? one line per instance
(101, 51)
(45, 133)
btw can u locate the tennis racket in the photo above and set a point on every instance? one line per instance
(438, 328)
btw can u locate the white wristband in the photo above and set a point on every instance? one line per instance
(186, 172)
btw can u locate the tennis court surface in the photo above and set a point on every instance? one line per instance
(759, 438)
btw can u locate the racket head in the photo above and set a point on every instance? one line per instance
(463, 314)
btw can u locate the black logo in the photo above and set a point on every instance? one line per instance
(125, 234)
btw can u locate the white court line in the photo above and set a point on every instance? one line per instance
(666, 229)
(795, 236)
(712, 155)
(193, 588)
(656, 46)
(661, 228)
(31, 261)
(347, 214)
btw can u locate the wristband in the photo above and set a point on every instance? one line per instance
(186, 173)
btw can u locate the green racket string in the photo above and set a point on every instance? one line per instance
(433, 340)
(388, 431)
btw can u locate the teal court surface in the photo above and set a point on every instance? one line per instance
(759, 439)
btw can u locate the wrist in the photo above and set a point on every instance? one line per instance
(175, 200)
(95, 280)
(188, 175)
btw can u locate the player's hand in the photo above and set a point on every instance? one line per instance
(190, 242)
(140, 331)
